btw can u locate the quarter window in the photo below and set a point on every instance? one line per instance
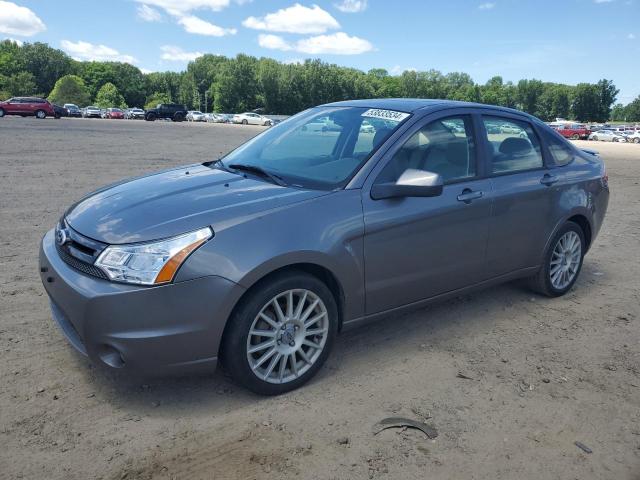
(561, 153)
(513, 145)
(445, 147)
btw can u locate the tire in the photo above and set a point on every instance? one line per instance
(543, 282)
(178, 117)
(151, 117)
(266, 124)
(40, 114)
(575, 136)
(298, 367)
(2, 112)
(635, 140)
(595, 139)
(244, 122)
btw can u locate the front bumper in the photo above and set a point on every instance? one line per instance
(154, 330)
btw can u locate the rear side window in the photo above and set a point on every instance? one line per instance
(513, 145)
(560, 152)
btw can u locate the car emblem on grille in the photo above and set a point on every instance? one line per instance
(62, 236)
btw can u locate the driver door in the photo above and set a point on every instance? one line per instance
(417, 248)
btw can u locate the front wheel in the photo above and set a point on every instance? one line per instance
(281, 334)
(151, 117)
(41, 114)
(635, 140)
(244, 122)
(562, 262)
(575, 136)
(2, 113)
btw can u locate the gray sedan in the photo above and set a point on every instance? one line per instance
(259, 259)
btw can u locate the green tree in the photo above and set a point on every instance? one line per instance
(109, 96)
(586, 106)
(21, 83)
(156, 98)
(632, 111)
(237, 86)
(70, 89)
(607, 93)
(46, 64)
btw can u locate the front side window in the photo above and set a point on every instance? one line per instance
(513, 145)
(321, 148)
(444, 146)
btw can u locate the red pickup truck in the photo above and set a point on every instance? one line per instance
(574, 131)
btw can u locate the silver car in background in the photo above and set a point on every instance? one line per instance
(607, 136)
(259, 259)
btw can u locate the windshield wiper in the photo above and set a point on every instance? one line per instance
(278, 180)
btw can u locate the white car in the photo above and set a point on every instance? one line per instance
(607, 136)
(214, 118)
(633, 137)
(250, 118)
(196, 116)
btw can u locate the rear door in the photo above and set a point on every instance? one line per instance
(417, 248)
(521, 215)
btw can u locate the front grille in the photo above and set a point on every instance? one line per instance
(80, 252)
(78, 264)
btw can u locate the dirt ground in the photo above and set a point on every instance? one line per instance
(543, 373)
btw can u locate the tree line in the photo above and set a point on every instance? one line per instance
(222, 84)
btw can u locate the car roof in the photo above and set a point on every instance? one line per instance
(412, 105)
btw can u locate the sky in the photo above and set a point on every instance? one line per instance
(567, 41)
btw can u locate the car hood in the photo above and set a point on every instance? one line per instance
(176, 201)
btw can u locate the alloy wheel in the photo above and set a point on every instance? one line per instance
(287, 336)
(565, 260)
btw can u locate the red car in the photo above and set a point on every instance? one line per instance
(114, 113)
(27, 106)
(574, 131)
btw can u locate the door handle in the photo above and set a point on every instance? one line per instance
(548, 180)
(467, 195)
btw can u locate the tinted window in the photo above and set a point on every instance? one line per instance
(513, 145)
(561, 153)
(445, 147)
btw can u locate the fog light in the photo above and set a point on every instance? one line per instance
(111, 356)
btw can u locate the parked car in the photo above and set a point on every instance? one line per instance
(322, 124)
(27, 106)
(261, 258)
(73, 110)
(169, 111)
(633, 137)
(574, 131)
(607, 136)
(134, 114)
(59, 111)
(91, 112)
(196, 116)
(250, 118)
(215, 118)
(114, 113)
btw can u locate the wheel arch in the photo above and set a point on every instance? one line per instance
(321, 272)
(581, 217)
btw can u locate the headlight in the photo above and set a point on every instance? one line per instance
(150, 263)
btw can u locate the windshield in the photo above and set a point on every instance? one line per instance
(320, 148)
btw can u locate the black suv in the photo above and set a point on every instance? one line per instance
(172, 111)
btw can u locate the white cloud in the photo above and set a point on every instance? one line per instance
(486, 6)
(176, 54)
(181, 7)
(294, 19)
(273, 42)
(87, 51)
(146, 71)
(193, 24)
(631, 36)
(351, 6)
(148, 14)
(398, 70)
(602, 1)
(336, 44)
(16, 20)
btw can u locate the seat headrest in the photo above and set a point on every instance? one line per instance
(515, 146)
(458, 152)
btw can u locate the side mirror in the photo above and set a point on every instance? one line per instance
(412, 183)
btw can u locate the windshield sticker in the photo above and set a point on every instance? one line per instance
(391, 115)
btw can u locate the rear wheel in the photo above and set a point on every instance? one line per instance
(40, 114)
(595, 138)
(562, 262)
(244, 122)
(575, 136)
(2, 112)
(178, 117)
(150, 117)
(281, 334)
(635, 140)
